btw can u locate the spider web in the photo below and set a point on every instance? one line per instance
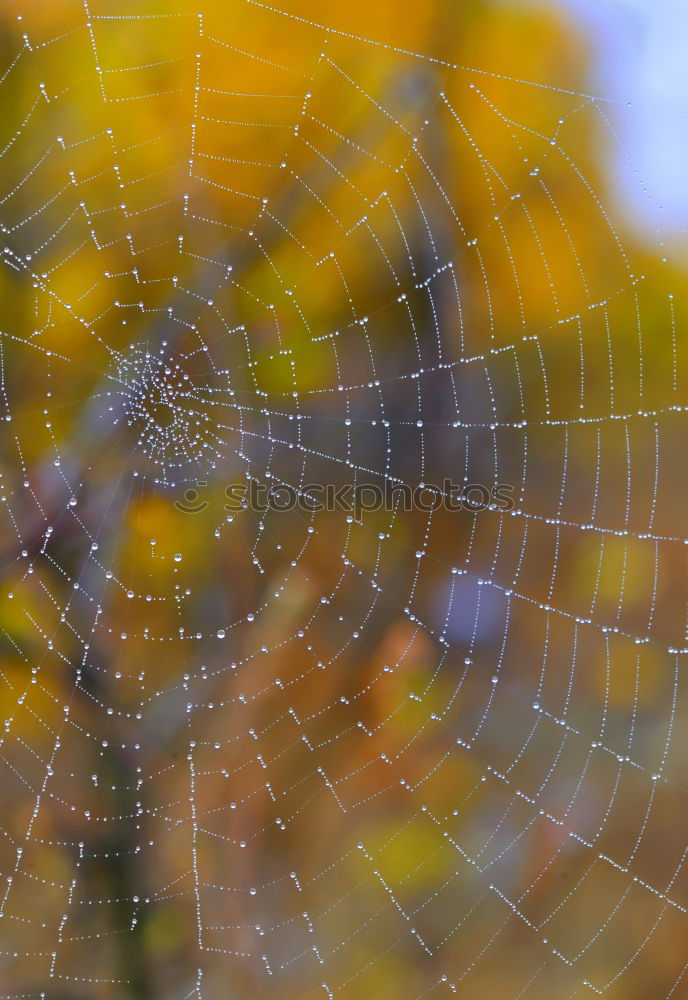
(298, 753)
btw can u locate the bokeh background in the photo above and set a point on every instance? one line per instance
(276, 756)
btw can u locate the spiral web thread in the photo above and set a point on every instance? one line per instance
(380, 753)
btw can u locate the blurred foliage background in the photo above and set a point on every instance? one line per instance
(205, 716)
